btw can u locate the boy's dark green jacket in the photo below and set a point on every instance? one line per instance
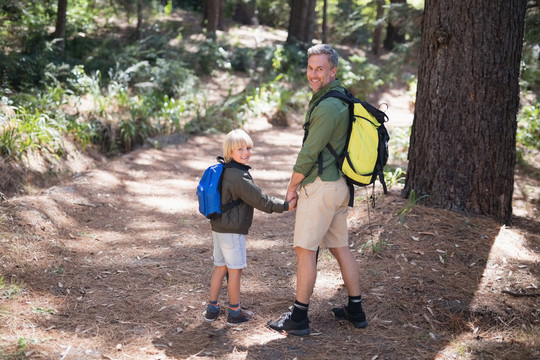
(237, 183)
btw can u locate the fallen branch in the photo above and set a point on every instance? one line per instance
(66, 353)
(518, 294)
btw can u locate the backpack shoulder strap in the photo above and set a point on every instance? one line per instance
(350, 100)
(347, 97)
(234, 203)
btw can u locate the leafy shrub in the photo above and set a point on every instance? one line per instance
(363, 78)
(80, 16)
(171, 116)
(168, 75)
(530, 67)
(30, 130)
(528, 133)
(395, 177)
(289, 60)
(222, 117)
(356, 25)
(24, 71)
(399, 144)
(274, 13)
(211, 56)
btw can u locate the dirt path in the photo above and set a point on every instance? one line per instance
(115, 264)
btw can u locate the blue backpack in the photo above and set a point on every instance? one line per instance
(209, 191)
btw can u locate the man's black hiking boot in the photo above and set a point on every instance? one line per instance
(286, 325)
(359, 320)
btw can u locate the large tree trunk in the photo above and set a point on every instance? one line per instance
(60, 30)
(302, 21)
(462, 149)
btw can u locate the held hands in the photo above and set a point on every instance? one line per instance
(292, 193)
(292, 204)
(292, 198)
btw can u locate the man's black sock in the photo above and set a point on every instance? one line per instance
(299, 311)
(355, 305)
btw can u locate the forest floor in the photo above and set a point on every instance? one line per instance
(114, 262)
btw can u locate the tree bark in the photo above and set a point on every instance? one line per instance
(463, 142)
(302, 21)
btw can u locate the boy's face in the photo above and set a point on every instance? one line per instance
(241, 153)
(320, 71)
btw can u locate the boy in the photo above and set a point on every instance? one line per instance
(230, 229)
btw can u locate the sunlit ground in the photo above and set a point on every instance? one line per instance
(508, 245)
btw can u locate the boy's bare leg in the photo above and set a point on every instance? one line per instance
(233, 286)
(216, 282)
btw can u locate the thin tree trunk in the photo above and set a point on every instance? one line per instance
(377, 33)
(138, 30)
(212, 15)
(324, 22)
(393, 33)
(60, 30)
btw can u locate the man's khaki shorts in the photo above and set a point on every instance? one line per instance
(321, 215)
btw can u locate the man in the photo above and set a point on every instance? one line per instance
(323, 196)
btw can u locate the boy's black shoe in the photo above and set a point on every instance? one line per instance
(245, 315)
(286, 325)
(210, 315)
(358, 320)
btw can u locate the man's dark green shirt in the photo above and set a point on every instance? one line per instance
(328, 123)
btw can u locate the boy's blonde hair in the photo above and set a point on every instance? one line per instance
(233, 140)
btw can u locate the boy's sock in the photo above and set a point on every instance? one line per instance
(234, 310)
(299, 311)
(355, 305)
(212, 306)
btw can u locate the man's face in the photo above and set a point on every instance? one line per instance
(320, 71)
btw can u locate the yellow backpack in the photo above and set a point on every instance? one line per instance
(366, 150)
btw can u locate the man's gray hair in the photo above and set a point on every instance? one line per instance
(320, 49)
